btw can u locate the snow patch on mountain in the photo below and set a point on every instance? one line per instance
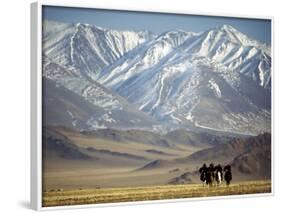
(215, 87)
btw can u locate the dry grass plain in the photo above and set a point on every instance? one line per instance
(125, 194)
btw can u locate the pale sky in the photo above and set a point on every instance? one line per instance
(259, 29)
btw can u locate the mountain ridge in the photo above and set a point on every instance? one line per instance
(181, 79)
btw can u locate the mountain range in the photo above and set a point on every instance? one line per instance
(95, 78)
(115, 158)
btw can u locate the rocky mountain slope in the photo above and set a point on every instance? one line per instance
(216, 80)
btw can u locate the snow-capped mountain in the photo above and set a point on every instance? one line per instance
(234, 50)
(219, 79)
(71, 58)
(207, 77)
(87, 48)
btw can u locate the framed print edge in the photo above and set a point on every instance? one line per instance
(36, 107)
(272, 106)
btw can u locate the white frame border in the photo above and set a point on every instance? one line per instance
(36, 102)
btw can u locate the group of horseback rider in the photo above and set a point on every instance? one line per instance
(215, 173)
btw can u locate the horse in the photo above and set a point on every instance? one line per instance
(218, 177)
(227, 174)
(211, 175)
(203, 174)
(208, 175)
(218, 174)
(209, 179)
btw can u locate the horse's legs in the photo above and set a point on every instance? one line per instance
(227, 183)
(203, 183)
(219, 178)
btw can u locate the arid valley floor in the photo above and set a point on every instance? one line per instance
(110, 165)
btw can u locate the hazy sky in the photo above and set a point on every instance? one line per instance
(259, 29)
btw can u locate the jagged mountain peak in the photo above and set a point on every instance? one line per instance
(227, 27)
(182, 79)
(84, 27)
(231, 34)
(86, 47)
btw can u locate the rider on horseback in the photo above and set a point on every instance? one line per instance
(218, 174)
(203, 172)
(227, 174)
